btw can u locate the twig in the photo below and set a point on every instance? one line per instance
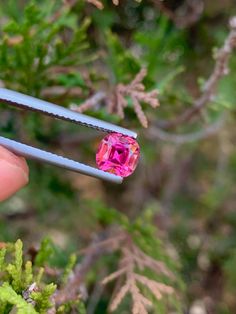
(132, 257)
(96, 294)
(117, 101)
(91, 102)
(136, 91)
(27, 293)
(133, 260)
(71, 290)
(219, 71)
(157, 133)
(112, 243)
(98, 4)
(59, 91)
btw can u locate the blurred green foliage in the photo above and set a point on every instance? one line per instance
(179, 206)
(32, 43)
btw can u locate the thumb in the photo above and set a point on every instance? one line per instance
(14, 173)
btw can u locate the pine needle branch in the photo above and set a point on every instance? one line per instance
(133, 260)
(136, 92)
(220, 70)
(118, 100)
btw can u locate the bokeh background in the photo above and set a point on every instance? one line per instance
(185, 181)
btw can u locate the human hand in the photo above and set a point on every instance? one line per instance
(14, 173)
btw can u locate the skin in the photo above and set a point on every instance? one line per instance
(14, 173)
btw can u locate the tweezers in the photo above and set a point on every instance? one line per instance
(34, 104)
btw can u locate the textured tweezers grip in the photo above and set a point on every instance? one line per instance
(30, 103)
(53, 159)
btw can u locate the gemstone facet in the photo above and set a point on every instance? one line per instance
(118, 154)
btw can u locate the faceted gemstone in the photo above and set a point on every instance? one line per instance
(118, 154)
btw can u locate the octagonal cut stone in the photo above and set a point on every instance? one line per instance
(118, 154)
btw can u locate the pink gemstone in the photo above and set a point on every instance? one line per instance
(118, 154)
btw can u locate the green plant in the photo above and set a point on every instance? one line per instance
(20, 289)
(135, 247)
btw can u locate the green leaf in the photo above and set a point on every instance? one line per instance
(2, 258)
(28, 273)
(15, 269)
(42, 298)
(8, 295)
(45, 252)
(69, 267)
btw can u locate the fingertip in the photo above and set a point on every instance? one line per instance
(14, 173)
